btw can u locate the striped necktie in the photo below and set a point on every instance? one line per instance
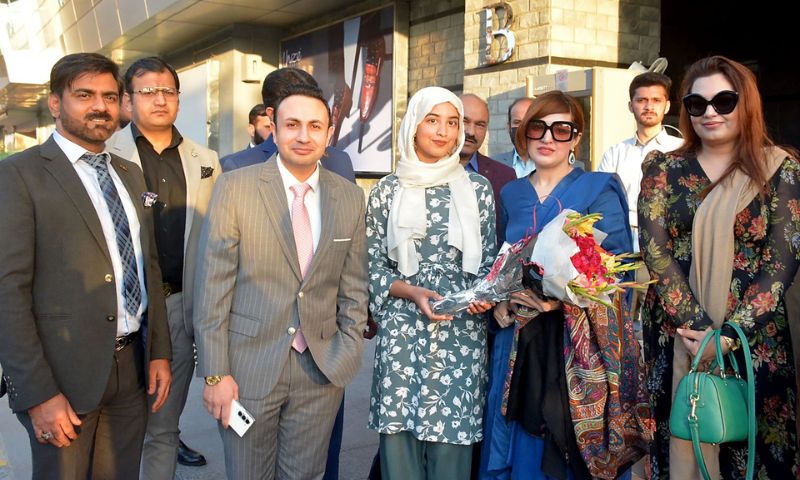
(130, 278)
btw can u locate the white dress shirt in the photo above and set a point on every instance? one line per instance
(126, 323)
(311, 200)
(625, 159)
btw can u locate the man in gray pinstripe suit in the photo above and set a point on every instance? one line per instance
(281, 295)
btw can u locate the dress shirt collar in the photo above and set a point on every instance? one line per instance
(472, 165)
(659, 138)
(72, 150)
(290, 180)
(523, 168)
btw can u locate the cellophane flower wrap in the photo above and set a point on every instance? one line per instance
(572, 265)
(504, 278)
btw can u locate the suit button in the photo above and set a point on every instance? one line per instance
(111, 318)
(300, 294)
(109, 278)
(291, 330)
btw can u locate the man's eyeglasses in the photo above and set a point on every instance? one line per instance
(561, 131)
(724, 103)
(150, 93)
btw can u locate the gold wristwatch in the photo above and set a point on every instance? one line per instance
(213, 380)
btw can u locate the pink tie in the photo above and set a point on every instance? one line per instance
(304, 242)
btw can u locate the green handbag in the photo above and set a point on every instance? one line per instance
(709, 408)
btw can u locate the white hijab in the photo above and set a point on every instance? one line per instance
(409, 211)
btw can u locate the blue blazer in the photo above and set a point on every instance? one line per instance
(334, 160)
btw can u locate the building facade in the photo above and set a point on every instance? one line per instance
(224, 48)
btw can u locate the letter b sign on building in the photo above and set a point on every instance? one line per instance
(502, 35)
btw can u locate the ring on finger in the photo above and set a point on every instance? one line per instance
(46, 436)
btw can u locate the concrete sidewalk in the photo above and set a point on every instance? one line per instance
(200, 432)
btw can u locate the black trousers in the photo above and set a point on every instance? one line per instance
(109, 443)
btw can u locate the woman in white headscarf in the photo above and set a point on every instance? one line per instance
(430, 231)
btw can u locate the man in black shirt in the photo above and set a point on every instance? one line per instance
(180, 176)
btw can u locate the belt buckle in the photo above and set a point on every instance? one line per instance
(167, 289)
(121, 342)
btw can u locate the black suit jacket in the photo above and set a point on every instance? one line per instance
(58, 301)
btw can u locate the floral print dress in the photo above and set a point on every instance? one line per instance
(767, 250)
(429, 377)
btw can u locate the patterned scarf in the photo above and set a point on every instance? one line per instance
(606, 384)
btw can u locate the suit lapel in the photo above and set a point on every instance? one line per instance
(328, 193)
(191, 172)
(123, 145)
(64, 173)
(274, 197)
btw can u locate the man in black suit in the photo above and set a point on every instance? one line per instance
(272, 91)
(83, 320)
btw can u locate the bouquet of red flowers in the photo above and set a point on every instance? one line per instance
(568, 263)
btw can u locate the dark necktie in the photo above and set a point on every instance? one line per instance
(130, 277)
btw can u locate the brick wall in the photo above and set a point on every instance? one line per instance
(552, 35)
(436, 45)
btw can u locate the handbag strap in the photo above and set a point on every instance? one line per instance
(751, 396)
(698, 452)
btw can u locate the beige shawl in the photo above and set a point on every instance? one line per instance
(712, 237)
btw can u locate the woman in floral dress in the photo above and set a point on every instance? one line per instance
(430, 231)
(754, 245)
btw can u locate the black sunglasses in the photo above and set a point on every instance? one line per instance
(561, 131)
(724, 103)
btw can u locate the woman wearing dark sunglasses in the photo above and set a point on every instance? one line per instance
(719, 230)
(531, 421)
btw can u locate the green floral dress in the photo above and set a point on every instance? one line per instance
(767, 250)
(429, 377)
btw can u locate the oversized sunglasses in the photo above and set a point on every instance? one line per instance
(561, 131)
(724, 103)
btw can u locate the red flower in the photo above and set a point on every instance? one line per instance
(740, 261)
(758, 228)
(794, 207)
(675, 296)
(763, 303)
(743, 217)
(771, 329)
(660, 181)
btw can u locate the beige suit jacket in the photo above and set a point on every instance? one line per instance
(250, 292)
(198, 193)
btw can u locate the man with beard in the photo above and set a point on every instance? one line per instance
(258, 125)
(81, 308)
(476, 123)
(649, 94)
(182, 174)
